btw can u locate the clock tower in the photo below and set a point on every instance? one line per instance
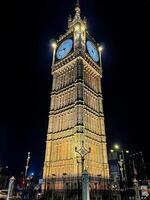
(76, 118)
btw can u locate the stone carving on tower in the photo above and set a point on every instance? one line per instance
(76, 109)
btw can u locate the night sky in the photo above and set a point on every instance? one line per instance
(27, 28)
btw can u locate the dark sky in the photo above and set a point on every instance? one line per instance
(27, 28)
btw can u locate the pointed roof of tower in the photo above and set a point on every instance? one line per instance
(78, 4)
(77, 16)
(78, 11)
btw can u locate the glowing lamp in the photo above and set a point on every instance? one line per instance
(116, 146)
(54, 45)
(100, 48)
(127, 151)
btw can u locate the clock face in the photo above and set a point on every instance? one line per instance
(92, 50)
(64, 48)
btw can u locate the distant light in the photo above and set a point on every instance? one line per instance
(111, 150)
(127, 151)
(32, 174)
(100, 48)
(116, 146)
(54, 45)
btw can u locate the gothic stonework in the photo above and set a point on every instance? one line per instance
(76, 110)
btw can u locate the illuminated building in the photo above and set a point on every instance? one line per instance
(76, 110)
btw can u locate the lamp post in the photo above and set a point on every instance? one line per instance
(83, 152)
(122, 167)
(27, 165)
(78, 181)
(122, 161)
(85, 179)
(54, 46)
(100, 49)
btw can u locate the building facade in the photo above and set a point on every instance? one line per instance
(76, 112)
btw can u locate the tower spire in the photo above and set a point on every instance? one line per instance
(78, 11)
(78, 4)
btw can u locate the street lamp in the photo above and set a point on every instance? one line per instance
(78, 181)
(100, 49)
(127, 151)
(27, 165)
(54, 46)
(122, 161)
(122, 166)
(83, 152)
(111, 150)
(116, 146)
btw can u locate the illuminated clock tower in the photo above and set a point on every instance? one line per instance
(76, 115)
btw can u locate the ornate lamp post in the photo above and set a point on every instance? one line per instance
(82, 152)
(78, 180)
(85, 187)
(27, 165)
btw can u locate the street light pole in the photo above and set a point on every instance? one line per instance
(120, 162)
(78, 179)
(82, 152)
(122, 166)
(100, 49)
(54, 46)
(27, 165)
